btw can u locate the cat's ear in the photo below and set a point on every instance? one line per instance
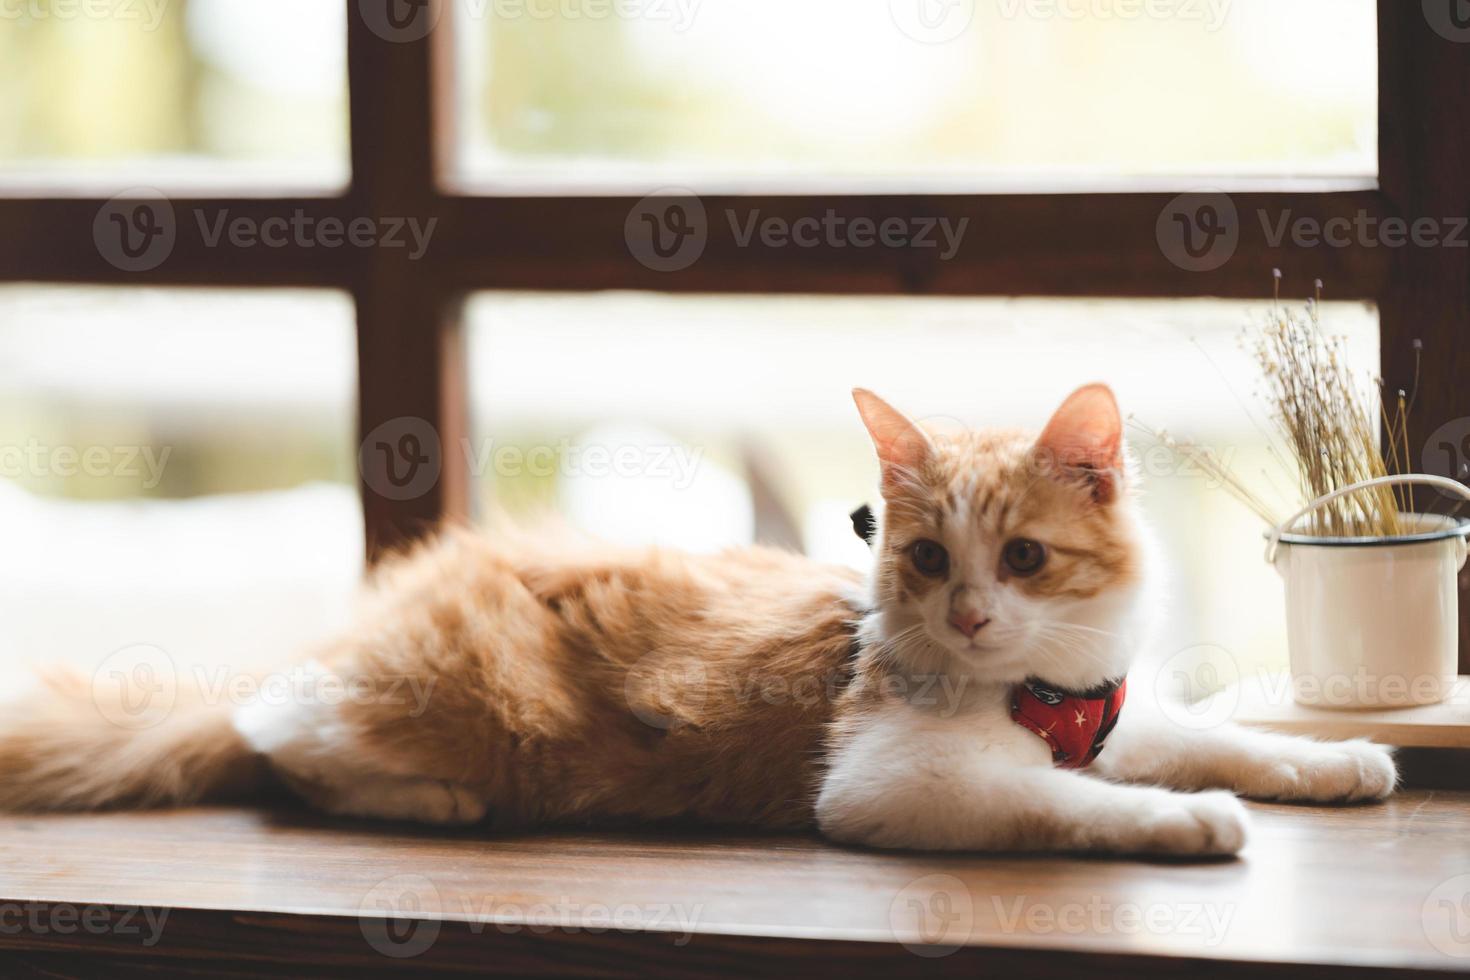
(1085, 436)
(902, 446)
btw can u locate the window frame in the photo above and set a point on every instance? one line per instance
(402, 116)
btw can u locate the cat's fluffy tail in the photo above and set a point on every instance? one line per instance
(65, 747)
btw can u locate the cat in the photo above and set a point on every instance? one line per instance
(968, 694)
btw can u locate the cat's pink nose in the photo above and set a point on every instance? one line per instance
(968, 622)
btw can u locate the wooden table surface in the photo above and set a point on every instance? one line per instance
(235, 891)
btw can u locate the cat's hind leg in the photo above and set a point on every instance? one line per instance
(316, 751)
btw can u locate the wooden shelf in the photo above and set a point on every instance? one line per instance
(1264, 701)
(249, 892)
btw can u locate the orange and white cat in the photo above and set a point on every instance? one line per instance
(573, 683)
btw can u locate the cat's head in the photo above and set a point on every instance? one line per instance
(1005, 554)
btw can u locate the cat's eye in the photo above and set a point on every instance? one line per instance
(1024, 556)
(929, 557)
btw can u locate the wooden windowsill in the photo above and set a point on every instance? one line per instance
(1345, 890)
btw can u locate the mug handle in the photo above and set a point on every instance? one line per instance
(1273, 537)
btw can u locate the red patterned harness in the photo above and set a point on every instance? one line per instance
(1075, 725)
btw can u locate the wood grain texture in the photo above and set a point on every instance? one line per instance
(1324, 887)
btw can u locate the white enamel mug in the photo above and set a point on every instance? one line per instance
(1373, 622)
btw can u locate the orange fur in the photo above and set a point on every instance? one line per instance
(573, 682)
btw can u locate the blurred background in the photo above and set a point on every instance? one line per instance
(178, 466)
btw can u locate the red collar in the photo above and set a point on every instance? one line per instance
(1074, 724)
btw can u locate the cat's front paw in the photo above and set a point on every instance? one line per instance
(1323, 772)
(1199, 824)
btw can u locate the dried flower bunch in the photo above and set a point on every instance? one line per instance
(1328, 420)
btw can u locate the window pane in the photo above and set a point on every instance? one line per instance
(177, 469)
(903, 89)
(173, 92)
(707, 421)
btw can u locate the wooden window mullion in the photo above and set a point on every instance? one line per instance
(410, 406)
(1424, 170)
